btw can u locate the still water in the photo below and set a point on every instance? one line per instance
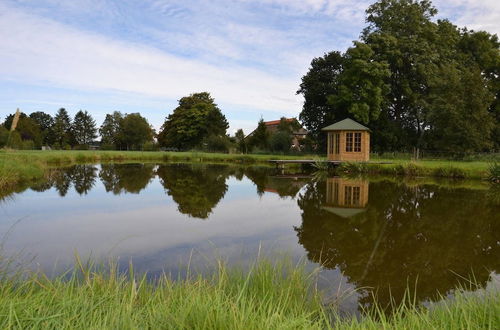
(371, 236)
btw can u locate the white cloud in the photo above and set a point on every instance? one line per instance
(43, 51)
(476, 15)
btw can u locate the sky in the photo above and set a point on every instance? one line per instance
(144, 55)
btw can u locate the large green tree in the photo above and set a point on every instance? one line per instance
(84, 128)
(416, 82)
(46, 123)
(27, 130)
(62, 128)
(318, 84)
(111, 131)
(195, 119)
(259, 138)
(136, 131)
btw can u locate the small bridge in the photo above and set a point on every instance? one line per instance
(280, 163)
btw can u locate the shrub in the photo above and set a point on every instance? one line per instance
(494, 172)
(149, 146)
(449, 172)
(280, 142)
(217, 143)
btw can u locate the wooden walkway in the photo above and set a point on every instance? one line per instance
(280, 163)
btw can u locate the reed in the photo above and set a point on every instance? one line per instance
(494, 173)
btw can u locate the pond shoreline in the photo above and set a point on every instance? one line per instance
(22, 166)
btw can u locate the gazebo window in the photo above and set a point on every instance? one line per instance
(357, 142)
(348, 142)
(337, 143)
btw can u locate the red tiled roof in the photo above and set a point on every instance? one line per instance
(276, 122)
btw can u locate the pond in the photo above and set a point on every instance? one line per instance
(371, 235)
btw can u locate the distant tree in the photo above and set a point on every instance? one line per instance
(195, 119)
(30, 131)
(136, 131)
(111, 130)
(84, 128)
(4, 136)
(46, 123)
(241, 142)
(259, 138)
(26, 130)
(62, 128)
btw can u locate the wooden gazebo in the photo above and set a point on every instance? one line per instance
(348, 140)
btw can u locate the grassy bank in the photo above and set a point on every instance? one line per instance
(19, 166)
(262, 298)
(422, 168)
(24, 166)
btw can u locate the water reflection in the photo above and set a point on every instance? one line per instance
(195, 189)
(131, 178)
(380, 235)
(396, 234)
(346, 197)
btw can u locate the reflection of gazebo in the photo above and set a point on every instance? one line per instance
(346, 197)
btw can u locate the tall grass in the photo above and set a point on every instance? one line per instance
(261, 298)
(413, 169)
(266, 296)
(494, 172)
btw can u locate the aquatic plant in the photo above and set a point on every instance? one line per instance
(494, 173)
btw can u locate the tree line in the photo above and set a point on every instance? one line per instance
(416, 82)
(118, 131)
(196, 123)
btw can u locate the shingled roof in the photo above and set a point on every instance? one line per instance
(346, 125)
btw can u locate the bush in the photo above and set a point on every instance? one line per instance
(107, 146)
(494, 173)
(149, 146)
(280, 142)
(217, 143)
(81, 147)
(27, 145)
(449, 172)
(4, 136)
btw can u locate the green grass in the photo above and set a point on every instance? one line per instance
(421, 168)
(24, 166)
(267, 296)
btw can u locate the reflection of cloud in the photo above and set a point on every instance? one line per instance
(144, 229)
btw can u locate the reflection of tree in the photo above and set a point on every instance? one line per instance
(84, 178)
(259, 176)
(284, 187)
(131, 178)
(427, 233)
(195, 188)
(62, 180)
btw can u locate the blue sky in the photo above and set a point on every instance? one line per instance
(142, 56)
